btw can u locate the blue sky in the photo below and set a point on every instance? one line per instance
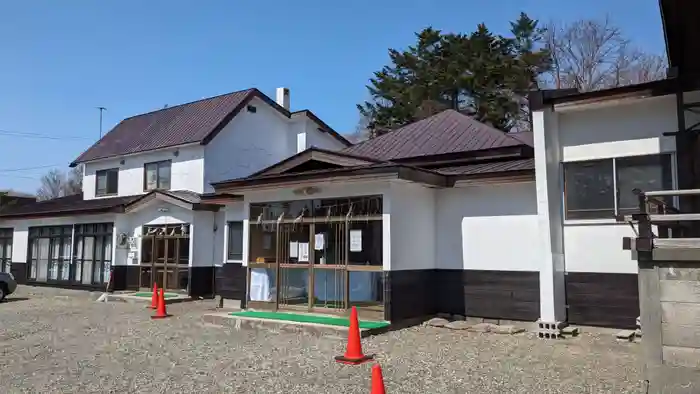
(59, 60)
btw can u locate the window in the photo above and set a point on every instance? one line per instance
(235, 241)
(92, 257)
(49, 253)
(603, 188)
(107, 181)
(5, 249)
(157, 175)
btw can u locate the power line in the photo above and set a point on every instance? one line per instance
(34, 178)
(40, 136)
(29, 168)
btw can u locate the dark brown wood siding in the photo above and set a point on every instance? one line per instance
(230, 281)
(507, 295)
(602, 299)
(201, 281)
(409, 295)
(125, 277)
(19, 270)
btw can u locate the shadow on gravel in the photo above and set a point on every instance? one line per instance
(14, 299)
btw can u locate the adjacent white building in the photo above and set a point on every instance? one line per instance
(447, 215)
(236, 196)
(141, 216)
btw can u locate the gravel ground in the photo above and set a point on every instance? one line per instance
(60, 341)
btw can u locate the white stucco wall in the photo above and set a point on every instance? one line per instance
(319, 139)
(631, 129)
(204, 238)
(186, 171)
(154, 214)
(487, 227)
(412, 227)
(253, 141)
(250, 142)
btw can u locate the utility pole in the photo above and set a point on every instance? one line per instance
(102, 109)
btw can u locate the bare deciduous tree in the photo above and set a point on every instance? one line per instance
(57, 183)
(595, 54)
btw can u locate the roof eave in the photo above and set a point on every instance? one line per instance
(398, 171)
(63, 213)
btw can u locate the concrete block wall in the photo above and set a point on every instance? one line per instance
(670, 315)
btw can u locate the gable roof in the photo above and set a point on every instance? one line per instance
(332, 158)
(446, 132)
(196, 122)
(431, 140)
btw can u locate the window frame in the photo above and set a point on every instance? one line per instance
(57, 236)
(670, 156)
(96, 231)
(230, 257)
(158, 165)
(106, 172)
(6, 238)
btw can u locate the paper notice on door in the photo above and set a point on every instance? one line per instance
(356, 240)
(319, 241)
(293, 250)
(303, 251)
(267, 241)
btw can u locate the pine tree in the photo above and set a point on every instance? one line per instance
(481, 74)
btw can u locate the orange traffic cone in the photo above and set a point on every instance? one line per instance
(377, 380)
(353, 354)
(160, 312)
(154, 297)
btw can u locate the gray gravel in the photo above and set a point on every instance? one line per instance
(60, 341)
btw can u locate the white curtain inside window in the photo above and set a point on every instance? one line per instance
(78, 253)
(42, 259)
(164, 175)
(102, 183)
(108, 257)
(151, 176)
(87, 260)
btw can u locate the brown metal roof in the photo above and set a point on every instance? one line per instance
(65, 205)
(489, 168)
(75, 205)
(447, 132)
(527, 137)
(195, 122)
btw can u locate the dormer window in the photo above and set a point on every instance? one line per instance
(107, 182)
(156, 175)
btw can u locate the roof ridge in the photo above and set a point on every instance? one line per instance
(249, 90)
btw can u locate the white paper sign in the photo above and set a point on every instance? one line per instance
(303, 251)
(356, 240)
(293, 249)
(267, 241)
(319, 241)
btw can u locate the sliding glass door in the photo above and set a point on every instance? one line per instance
(49, 253)
(317, 255)
(92, 257)
(72, 255)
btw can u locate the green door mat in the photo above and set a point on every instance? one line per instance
(166, 295)
(302, 318)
